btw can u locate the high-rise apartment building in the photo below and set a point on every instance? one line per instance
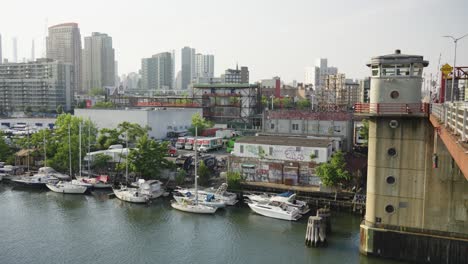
(204, 66)
(157, 72)
(317, 75)
(42, 85)
(64, 44)
(188, 66)
(98, 67)
(1, 55)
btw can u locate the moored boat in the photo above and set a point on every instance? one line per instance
(191, 207)
(276, 210)
(67, 187)
(288, 198)
(131, 195)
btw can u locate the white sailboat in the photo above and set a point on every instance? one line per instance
(193, 205)
(70, 187)
(129, 194)
(99, 182)
(221, 193)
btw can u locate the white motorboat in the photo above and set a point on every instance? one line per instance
(67, 187)
(288, 198)
(276, 210)
(131, 195)
(191, 207)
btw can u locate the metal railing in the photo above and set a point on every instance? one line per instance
(391, 108)
(453, 116)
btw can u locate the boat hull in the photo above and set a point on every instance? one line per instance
(129, 196)
(269, 212)
(68, 188)
(197, 209)
(216, 204)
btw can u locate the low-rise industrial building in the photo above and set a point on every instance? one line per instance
(282, 160)
(161, 121)
(308, 123)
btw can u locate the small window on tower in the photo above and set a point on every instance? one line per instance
(394, 94)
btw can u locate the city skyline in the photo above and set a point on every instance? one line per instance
(367, 29)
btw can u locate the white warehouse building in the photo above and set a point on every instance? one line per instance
(161, 121)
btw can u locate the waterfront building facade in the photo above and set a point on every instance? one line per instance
(42, 86)
(98, 62)
(280, 159)
(308, 123)
(64, 44)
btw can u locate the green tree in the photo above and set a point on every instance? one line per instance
(203, 174)
(333, 173)
(5, 150)
(264, 101)
(199, 122)
(81, 104)
(148, 159)
(104, 105)
(234, 180)
(286, 102)
(96, 91)
(28, 110)
(58, 142)
(303, 104)
(100, 162)
(112, 136)
(59, 109)
(364, 131)
(180, 177)
(276, 103)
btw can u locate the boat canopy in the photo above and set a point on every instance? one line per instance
(209, 197)
(286, 194)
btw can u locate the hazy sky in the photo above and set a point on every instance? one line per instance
(270, 37)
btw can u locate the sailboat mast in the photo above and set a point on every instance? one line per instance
(126, 156)
(69, 150)
(45, 150)
(80, 148)
(89, 149)
(196, 164)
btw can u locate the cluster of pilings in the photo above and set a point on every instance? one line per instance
(318, 227)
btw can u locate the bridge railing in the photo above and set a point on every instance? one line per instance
(453, 116)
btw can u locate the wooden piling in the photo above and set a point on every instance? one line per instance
(316, 232)
(325, 214)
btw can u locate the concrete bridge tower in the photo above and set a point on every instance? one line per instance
(401, 145)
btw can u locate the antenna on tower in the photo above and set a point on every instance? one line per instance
(46, 23)
(33, 57)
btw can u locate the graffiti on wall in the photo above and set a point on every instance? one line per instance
(292, 154)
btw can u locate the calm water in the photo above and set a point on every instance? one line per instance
(46, 227)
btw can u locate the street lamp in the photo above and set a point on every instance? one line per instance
(455, 40)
